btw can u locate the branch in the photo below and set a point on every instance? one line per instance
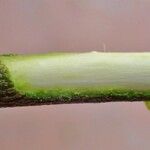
(59, 78)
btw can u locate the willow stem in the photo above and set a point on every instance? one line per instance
(59, 78)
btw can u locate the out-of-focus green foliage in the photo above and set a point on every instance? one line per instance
(147, 103)
(11, 54)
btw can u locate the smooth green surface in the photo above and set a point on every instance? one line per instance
(80, 74)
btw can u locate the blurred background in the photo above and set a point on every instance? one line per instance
(28, 26)
(40, 26)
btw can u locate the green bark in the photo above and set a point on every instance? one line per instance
(58, 78)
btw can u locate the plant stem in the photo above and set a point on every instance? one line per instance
(58, 78)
